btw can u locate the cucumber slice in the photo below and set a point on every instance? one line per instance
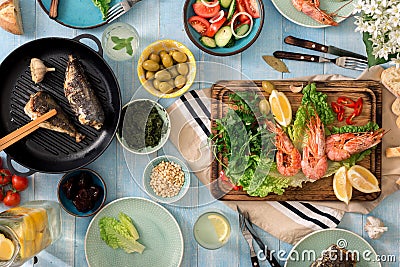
(242, 29)
(223, 36)
(230, 43)
(225, 3)
(208, 42)
(231, 10)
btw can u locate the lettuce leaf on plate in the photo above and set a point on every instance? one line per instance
(103, 5)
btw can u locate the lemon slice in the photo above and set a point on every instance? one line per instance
(341, 186)
(280, 107)
(6, 248)
(362, 179)
(221, 227)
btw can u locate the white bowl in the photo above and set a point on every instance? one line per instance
(164, 136)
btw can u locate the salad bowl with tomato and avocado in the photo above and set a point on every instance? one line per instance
(223, 27)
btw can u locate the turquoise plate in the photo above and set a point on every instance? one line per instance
(286, 8)
(159, 233)
(310, 247)
(79, 14)
(239, 46)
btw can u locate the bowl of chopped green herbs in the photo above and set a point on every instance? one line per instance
(144, 126)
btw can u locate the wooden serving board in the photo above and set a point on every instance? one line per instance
(370, 91)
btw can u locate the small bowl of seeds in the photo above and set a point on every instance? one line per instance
(166, 179)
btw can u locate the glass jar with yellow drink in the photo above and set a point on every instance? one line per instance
(212, 230)
(28, 229)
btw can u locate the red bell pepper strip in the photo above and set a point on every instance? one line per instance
(345, 101)
(349, 119)
(337, 108)
(340, 116)
(358, 106)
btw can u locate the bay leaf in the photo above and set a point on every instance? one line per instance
(276, 63)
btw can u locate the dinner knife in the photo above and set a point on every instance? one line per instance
(321, 48)
(244, 218)
(344, 62)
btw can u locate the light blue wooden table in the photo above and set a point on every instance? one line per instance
(162, 19)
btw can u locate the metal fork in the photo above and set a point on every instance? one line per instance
(249, 238)
(119, 9)
(344, 62)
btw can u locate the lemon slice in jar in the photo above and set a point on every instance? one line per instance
(280, 108)
(341, 185)
(6, 248)
(221, 227)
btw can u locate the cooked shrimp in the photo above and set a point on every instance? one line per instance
(288, 158)
(311, 9)
(314, 163)
(342, 146)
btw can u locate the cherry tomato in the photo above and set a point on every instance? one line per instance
(199, 24)
(1, 194)
(347, 102)
(5, 176)
(358, 106)
(204, 11)
(252, 8)
(19, 183)
(226, 180)
(12, 198)
(214, 27)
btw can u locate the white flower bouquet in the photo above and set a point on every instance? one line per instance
(379, 22)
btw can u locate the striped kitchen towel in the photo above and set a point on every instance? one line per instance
(288, 221)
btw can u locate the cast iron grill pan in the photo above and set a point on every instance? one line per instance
(45, 150)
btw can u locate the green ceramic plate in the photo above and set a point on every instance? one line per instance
(311, 247)
(158, 231)
(286, 8)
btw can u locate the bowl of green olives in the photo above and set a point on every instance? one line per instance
(166, 68)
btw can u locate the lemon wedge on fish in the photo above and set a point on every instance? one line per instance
(280, 108)
(362, 179)
(342, 186)
(6, 248)
(221, 227)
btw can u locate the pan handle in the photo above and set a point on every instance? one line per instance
(11, 167)
(93, 38)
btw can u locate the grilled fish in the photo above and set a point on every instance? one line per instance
(42, 102)
(335, 256)
(81, 96)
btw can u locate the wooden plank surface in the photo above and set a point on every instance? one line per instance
(369, 91)
(160, 19)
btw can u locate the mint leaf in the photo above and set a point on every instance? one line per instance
(117, 40)
(119, 46)
(129, 49)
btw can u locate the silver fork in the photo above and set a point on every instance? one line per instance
(344, 62)
(249, 238)
(119, 9)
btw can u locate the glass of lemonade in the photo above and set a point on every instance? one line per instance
(120, 41)
(212, 230)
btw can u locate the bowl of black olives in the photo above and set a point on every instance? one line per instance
(82, 192)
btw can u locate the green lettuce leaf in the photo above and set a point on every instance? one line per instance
(116, 235)
(103, 5)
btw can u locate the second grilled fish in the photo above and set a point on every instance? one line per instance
(81, 96)
(42, 102)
